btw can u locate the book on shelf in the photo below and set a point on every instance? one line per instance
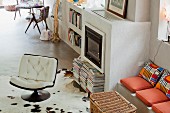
(78, 62)
(75, 18)
(95, 83)
(72, 18)
(77, 38)
(83, 85)
(83, 73)
(74, 38)
(71, 37)
(76, 73)
(95, 89)
(83, 78)
(80, 42)
(71, 15)
(79, 21)
(77, 80)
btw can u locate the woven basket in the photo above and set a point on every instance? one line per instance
(110, 102)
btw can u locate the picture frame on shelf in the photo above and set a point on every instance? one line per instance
(118, 7)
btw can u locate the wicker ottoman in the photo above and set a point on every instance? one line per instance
(110, 102)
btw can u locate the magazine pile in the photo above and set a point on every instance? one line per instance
(88, 77)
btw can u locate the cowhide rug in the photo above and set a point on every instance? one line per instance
(65, 98)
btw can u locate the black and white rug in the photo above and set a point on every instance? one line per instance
(65, 98)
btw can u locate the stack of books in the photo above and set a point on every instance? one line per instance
(90, 78)
(77, 64)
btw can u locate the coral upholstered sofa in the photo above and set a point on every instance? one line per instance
(149, 91)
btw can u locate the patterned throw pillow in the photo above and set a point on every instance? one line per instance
(151, 72)
(164, 83)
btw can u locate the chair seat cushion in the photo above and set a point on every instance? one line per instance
(151, 96)
(28, 83)
(163, 107)
(136, 83)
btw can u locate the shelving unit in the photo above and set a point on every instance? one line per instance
(72, 21)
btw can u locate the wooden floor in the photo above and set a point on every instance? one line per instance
(14, 43)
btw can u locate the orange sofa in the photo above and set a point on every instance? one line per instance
(149, 95)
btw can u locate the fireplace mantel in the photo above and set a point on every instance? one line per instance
(126, 46)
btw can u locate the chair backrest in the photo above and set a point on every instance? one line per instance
(44, 13)
(36, 67)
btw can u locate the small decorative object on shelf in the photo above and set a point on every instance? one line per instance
(75, 0)
(88, 77)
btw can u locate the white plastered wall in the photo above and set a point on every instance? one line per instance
(158, 30)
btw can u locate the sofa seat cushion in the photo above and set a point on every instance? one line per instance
(163, 107)
(136, 83)
(151, 96)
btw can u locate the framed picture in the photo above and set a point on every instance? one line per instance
(118, 7)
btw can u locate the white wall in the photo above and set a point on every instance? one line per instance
(137, 10)
(0, 2)
(158, 29)
(49, 3)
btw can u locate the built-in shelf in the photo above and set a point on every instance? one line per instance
(73, 27)
(74, 24)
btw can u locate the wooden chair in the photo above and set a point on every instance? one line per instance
(42, 17)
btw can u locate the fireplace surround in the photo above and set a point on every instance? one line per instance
(94, 47)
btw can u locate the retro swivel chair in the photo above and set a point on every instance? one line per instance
(36, 73)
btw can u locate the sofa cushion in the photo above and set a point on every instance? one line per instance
(163, 107)
(164, 83)
(151, 72)
(151, 96)
(139, 83)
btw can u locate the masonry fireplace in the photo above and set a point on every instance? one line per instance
(94, 47)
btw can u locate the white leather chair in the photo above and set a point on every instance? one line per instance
(36, 73)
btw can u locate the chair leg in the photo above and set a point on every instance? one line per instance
(19, 12)
(29, 24)
(36, 24)
(15, 14)
(46, 24)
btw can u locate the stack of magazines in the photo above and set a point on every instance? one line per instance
(88, 77)
(77, 64)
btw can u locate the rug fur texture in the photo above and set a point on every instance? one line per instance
(65, 98)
